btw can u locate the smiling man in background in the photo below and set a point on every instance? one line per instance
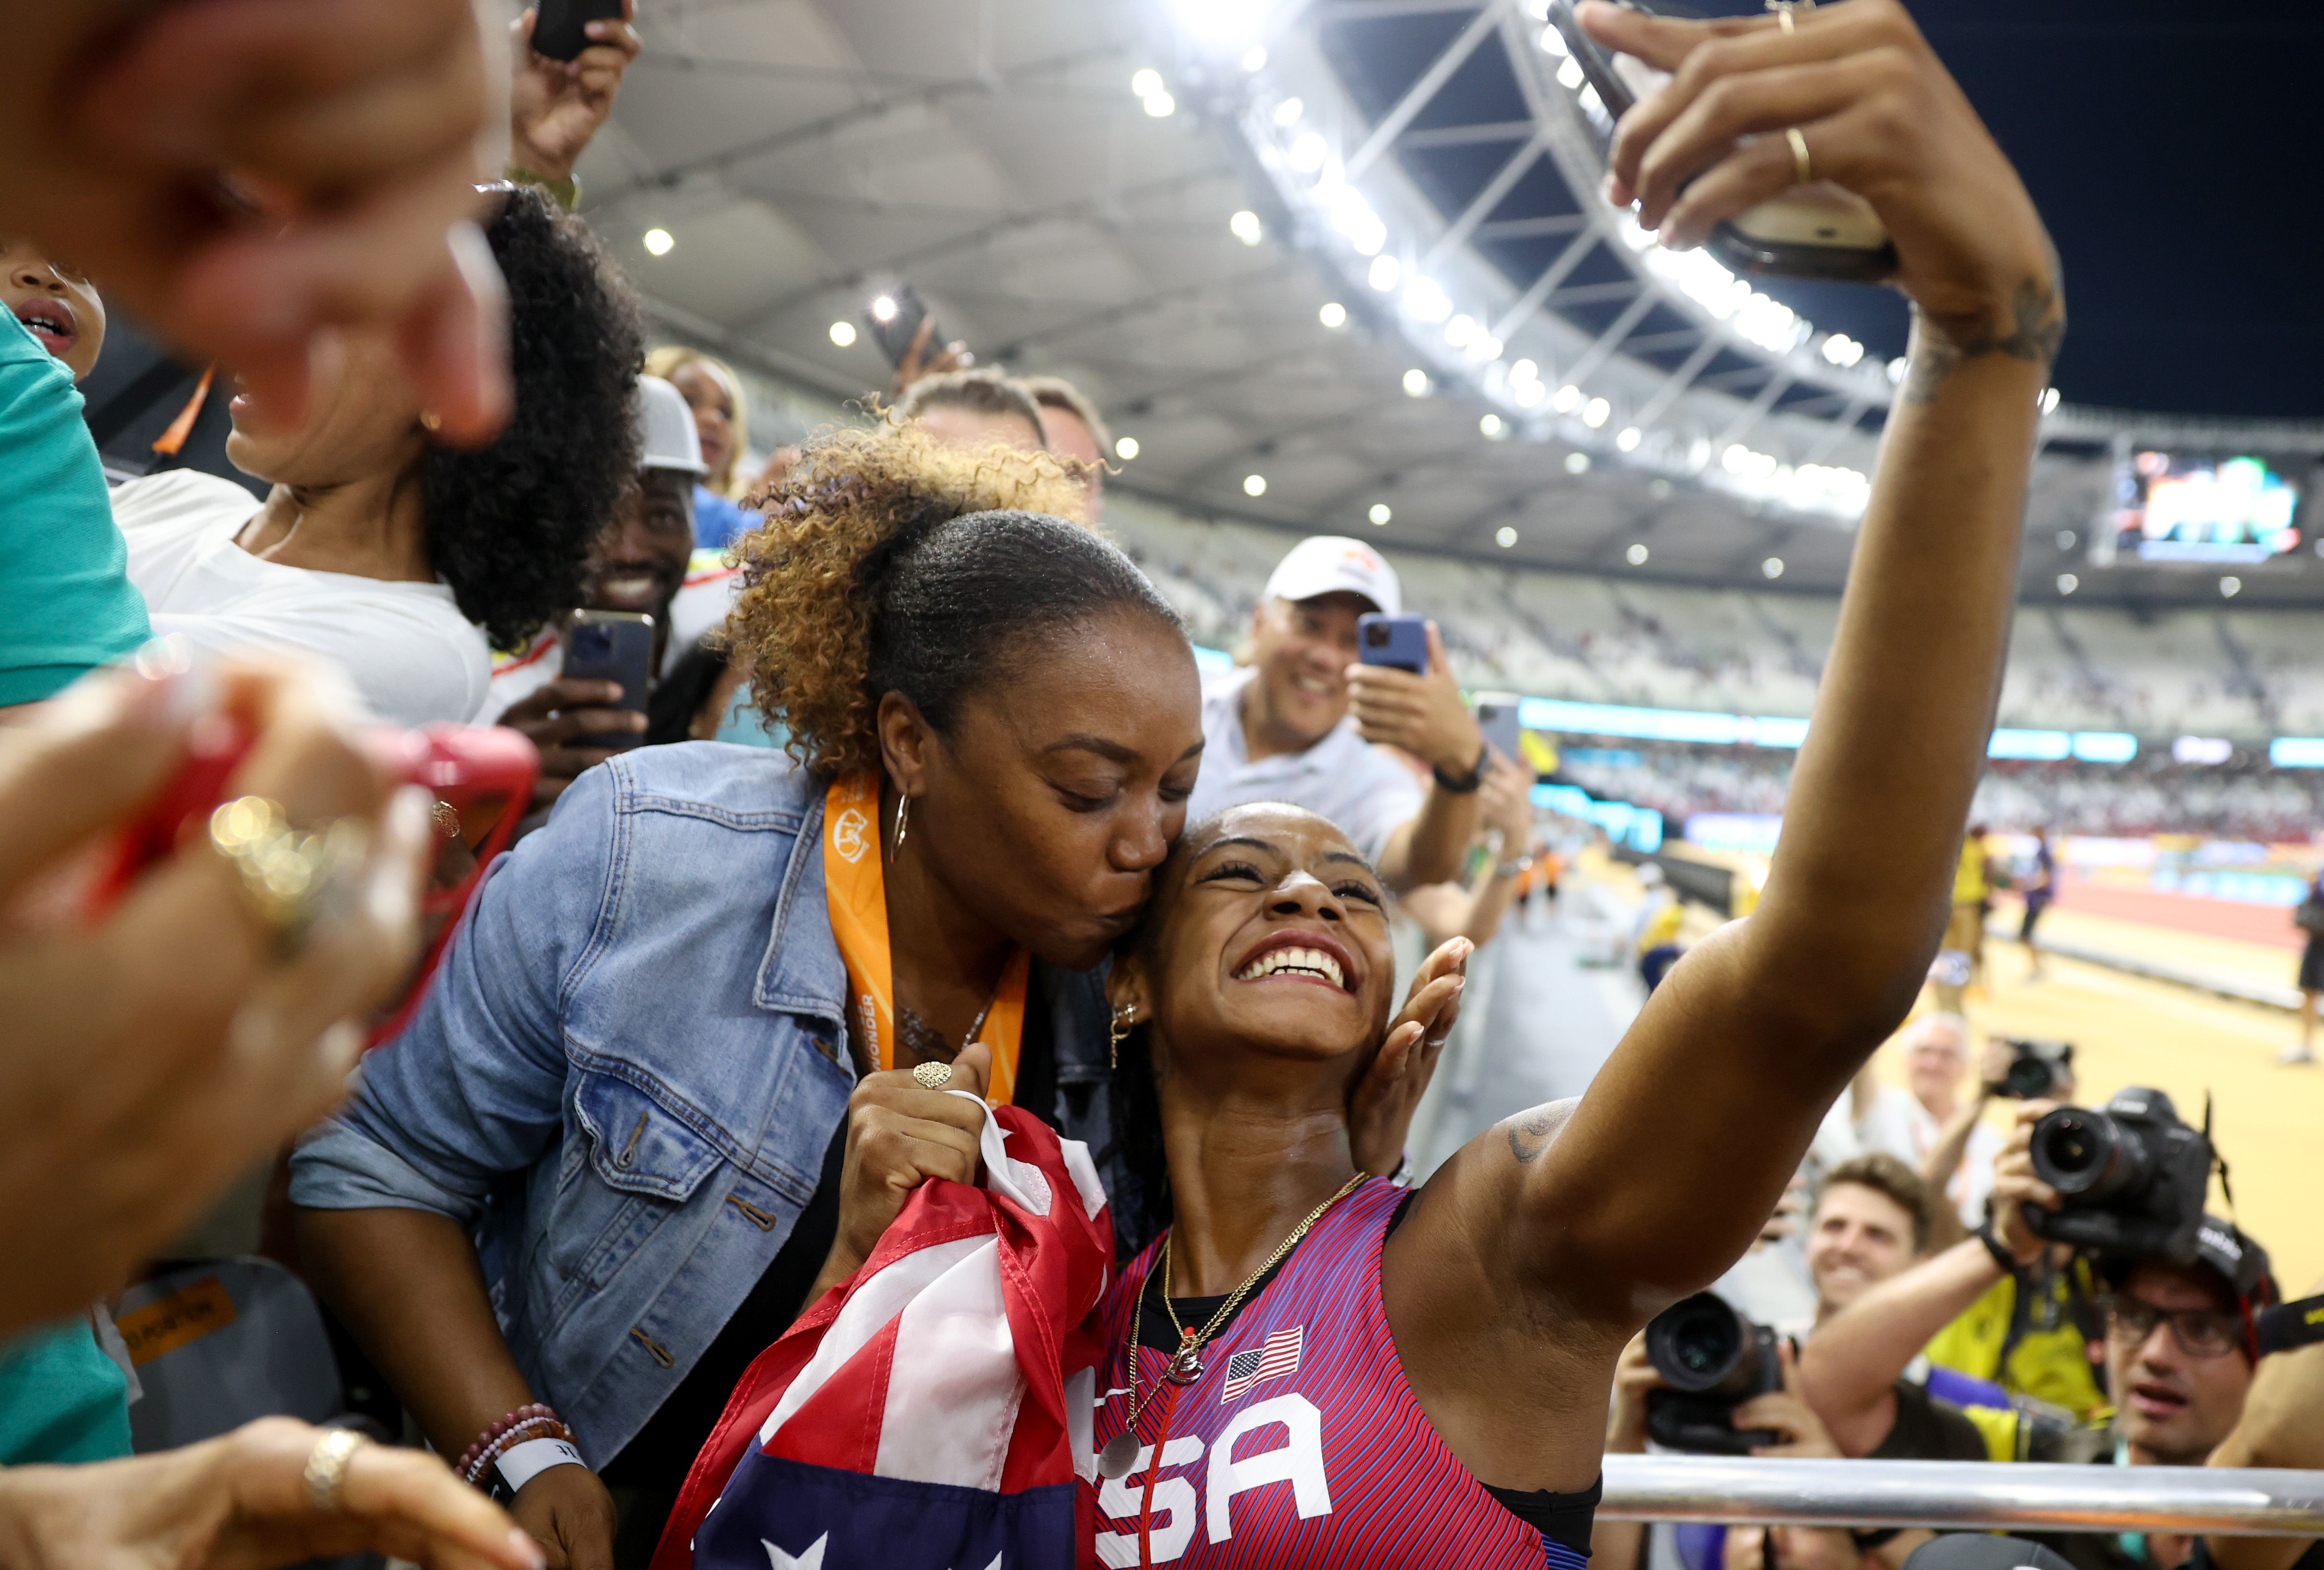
(1302, 722)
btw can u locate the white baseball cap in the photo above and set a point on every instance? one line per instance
(1325, 564)
(666, 438)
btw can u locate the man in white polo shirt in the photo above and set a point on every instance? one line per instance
(1299, 721)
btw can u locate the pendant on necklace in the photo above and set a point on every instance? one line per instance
(1185, 1367)
(1120, 1454)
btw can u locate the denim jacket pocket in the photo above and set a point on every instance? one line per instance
(641, 1162)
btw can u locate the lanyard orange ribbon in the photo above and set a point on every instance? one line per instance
(855, 888)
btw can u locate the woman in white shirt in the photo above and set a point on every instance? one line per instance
(399, 558)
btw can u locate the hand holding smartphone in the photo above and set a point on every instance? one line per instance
(1400, 643)
(560, 27)
(1813, 230)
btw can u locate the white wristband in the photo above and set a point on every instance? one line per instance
(520, 1463)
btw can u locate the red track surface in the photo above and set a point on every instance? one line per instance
(2267, 924)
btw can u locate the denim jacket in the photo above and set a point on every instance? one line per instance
(626, 1072)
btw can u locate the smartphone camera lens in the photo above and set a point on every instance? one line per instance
(1376, 635)
(591, 642)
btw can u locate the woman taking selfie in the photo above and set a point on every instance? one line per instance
(1335, 1371)
(626, 1104)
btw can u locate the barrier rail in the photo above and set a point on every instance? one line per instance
(1964, 1495)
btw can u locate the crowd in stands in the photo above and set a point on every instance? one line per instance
(1003, 917)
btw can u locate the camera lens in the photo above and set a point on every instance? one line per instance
(592, 643)
(1376, 634)
(2030, 1078)
(2086, 1155)
(1694, 1344)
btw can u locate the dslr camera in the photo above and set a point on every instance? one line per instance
(2034, 1069)
(1713, 1360)
(2130, 1176)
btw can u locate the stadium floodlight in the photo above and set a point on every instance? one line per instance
(1523, 372)
(1505, 537)
(1596, 413)
(842, 333)
(1245, 226)
(1460, 331)
(1772, 569)
(1332, 315)
(1379, 514)
(1287, 114)
(1567, 399)
(1384, 272)
(2297, 752)
(2202, 750)
(1254, 484)
(1309, 153)
(1161, 105)
(2230, 587)
(1415, 383)
(2067, 583)
(1553, 43)
(1146, 83)
(1577, 463)
(1569, 75)
(659, 242)
(2049, 399)
(1629, 438)
(1126, 447)
(1425, 300)
(2035, 746)
(2066, 538)
(1491, 427)
(2105, 746)
(1528, 394)
(1637, 554)
(1254, 58)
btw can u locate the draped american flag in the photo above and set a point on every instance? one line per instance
(1272, 1359)
(935, 1410)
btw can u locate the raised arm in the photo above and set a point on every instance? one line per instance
(2283, 1425)
(1851, 1365)
(1665, 1172)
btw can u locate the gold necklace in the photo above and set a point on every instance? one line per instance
(1185, 1365)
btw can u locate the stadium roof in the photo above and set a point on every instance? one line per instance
(804, 154)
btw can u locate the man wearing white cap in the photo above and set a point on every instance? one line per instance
(1302, 722)
(645, 562)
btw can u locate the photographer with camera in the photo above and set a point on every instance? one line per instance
(2126, 1184)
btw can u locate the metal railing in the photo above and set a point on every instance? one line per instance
(1964, 1495)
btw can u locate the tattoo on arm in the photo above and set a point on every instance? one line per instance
(2039, 325)
(1530, 1135)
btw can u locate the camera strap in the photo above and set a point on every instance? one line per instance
(2287, 1325)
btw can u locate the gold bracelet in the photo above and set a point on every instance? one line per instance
(287, 877)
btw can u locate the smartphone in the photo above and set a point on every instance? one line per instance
(1817, 230)
(1399, 640)
(895, 331)
(1497, 716)
(556, 27)
(613, 646)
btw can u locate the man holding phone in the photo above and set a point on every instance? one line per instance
(1305, 720)
(643, 564)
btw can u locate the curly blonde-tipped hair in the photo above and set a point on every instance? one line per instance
(825, 624)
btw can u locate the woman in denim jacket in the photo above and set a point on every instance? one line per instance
(614, 1155)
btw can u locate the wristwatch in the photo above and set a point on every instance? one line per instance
(1996, 1248)
(1464, 784)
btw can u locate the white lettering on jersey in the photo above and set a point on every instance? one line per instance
(1172, 1527)
(1299, 1461)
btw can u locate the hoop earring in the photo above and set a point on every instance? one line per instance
(903, 812)
(1120, 1033)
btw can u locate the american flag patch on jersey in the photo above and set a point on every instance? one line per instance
(1278, 1356)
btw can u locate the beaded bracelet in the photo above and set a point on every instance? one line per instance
(530, 1428)
(529, 1412)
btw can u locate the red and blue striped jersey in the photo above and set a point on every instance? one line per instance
(1300, 1443)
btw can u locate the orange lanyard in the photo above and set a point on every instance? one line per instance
(855, 888)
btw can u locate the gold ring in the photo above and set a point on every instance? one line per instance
(287, 876)
(932, 1075)
(1802, 171)
(1783, 9)
(326, 1472)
